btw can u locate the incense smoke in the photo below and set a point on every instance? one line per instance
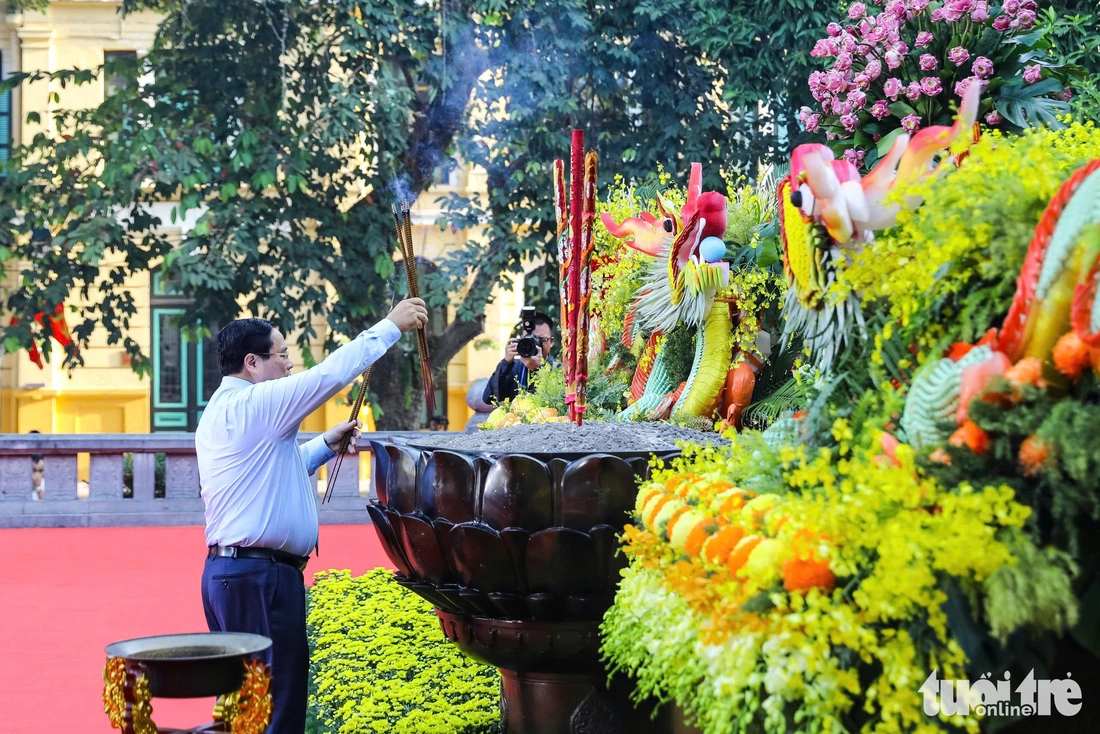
(401, 191)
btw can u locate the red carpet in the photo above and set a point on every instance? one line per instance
(67, 593)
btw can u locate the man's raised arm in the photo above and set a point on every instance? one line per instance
(284, 404)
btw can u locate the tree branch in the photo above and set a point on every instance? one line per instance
(461, 331)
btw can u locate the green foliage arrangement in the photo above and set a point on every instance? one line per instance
(605, 390)
(679, 351)
(1045, 449)
(380, 664)
(1074, 28)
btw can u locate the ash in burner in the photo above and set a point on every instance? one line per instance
(566, 438)
(192, 651)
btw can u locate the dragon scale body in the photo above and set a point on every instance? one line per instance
(711, 363)
(658, 384)
(1056, 272)
(934, 398)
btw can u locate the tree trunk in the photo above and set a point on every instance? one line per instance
(400, 403)
(433, 133)
(389, 385)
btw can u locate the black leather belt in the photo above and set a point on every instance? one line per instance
(265, 554)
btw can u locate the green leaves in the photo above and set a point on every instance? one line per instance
(887, 141)
(295, 182)
(262, 180)
(768, 254)
(1026, 105)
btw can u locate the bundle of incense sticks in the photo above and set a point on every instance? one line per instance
(346, 441)
(575, 245)
(404, 236)
(403, 223)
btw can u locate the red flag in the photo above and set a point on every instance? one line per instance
(58, 326)
(33, 353)
(59, 329)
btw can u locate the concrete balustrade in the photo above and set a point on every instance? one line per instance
(111, 501)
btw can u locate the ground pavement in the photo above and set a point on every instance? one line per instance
(66, 593)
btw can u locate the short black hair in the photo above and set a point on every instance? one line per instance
(35, 458)
(239, 338)
(541, 318)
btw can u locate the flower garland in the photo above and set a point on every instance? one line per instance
(812, 584)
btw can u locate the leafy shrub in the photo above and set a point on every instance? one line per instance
(1074, 28)
(605, 389)
(380, 663)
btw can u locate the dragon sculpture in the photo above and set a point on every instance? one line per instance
(682, 285)
(1053, 323)
(826, 207)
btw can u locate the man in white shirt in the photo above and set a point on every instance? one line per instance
(261, 508)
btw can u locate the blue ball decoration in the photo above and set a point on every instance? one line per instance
(712, 249)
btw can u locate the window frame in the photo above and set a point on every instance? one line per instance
(6, 141)
(116, 52)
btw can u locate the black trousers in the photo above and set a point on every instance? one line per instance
(265, 598)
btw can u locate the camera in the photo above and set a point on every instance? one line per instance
(528, 345)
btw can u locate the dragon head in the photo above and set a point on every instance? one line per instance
(826, 206)
(646, 233)
(687, 249)
(852, 208)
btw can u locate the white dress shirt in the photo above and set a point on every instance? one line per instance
(254, 476)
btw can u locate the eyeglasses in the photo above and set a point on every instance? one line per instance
(285, 355)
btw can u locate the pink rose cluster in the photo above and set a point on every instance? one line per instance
(884, 51)
(1016, 15)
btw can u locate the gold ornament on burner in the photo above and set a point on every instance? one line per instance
(126, 698)
(253, 704)
(114, 699)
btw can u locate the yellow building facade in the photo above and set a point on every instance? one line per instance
(105, 395)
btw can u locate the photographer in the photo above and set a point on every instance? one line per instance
(522, 357)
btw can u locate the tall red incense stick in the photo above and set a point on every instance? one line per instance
(575, 246)
(576, 195)
(561, 210)
(584, 292)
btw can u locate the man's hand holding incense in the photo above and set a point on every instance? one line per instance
(334, 436)
(409, 314)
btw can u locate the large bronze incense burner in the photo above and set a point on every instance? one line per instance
(194, 665)
(518, 553)
(513, 534)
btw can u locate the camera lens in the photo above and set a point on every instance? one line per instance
(527, 346)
